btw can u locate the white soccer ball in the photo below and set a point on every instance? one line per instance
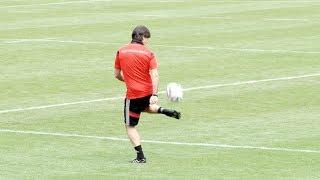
(174, 92)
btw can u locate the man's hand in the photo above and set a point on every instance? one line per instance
(154, 99)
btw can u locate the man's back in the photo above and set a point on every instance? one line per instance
(135, 61)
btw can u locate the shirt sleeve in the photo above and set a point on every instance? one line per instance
(153, 62)
(117, 62)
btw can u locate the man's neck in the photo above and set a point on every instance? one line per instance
(136, 42)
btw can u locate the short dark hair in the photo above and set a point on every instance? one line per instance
(139, 32)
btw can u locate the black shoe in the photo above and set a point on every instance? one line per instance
(176, 114)
(137, 161)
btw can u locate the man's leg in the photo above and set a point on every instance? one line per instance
(134, 137)
(131, 118)
(154, 108)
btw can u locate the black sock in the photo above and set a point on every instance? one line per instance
(167, 112)
(139, 151)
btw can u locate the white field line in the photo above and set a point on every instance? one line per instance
(163, 142)
(162, 92)
(55, 3)
(158, 1)
(27, 40)
(252, 82)
(167, 46)
(227, 18)
(285, 19)
(152, 15)
(241, 49)
(59, 105)
(215, 17)
(86, 1)
(265, 19)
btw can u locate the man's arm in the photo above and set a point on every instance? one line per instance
(155, 80)
(118, 74)
(155, 83)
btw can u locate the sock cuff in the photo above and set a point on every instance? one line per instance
(160, 110)
(138, 148)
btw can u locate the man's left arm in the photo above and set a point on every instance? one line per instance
(155, 83)
(155, 80)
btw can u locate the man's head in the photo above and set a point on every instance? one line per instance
(140, 35)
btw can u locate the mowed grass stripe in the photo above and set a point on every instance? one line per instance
(54, 3)
(167, 46)
(161, 142)
(162, 92)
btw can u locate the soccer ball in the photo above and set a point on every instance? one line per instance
(174, 92)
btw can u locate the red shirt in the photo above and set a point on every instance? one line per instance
(135, 61)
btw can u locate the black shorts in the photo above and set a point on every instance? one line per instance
(133, 109)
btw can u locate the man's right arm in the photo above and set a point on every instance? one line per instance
(117, 68)
(118, 75)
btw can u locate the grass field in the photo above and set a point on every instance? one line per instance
(61, 53)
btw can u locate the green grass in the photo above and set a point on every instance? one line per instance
(276, 114)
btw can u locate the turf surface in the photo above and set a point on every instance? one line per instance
(54, 52)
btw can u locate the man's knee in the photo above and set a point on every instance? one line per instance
(153, 108)
(129, 127)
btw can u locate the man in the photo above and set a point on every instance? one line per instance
(137, 66)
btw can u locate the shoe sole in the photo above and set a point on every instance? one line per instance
(138, 162)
